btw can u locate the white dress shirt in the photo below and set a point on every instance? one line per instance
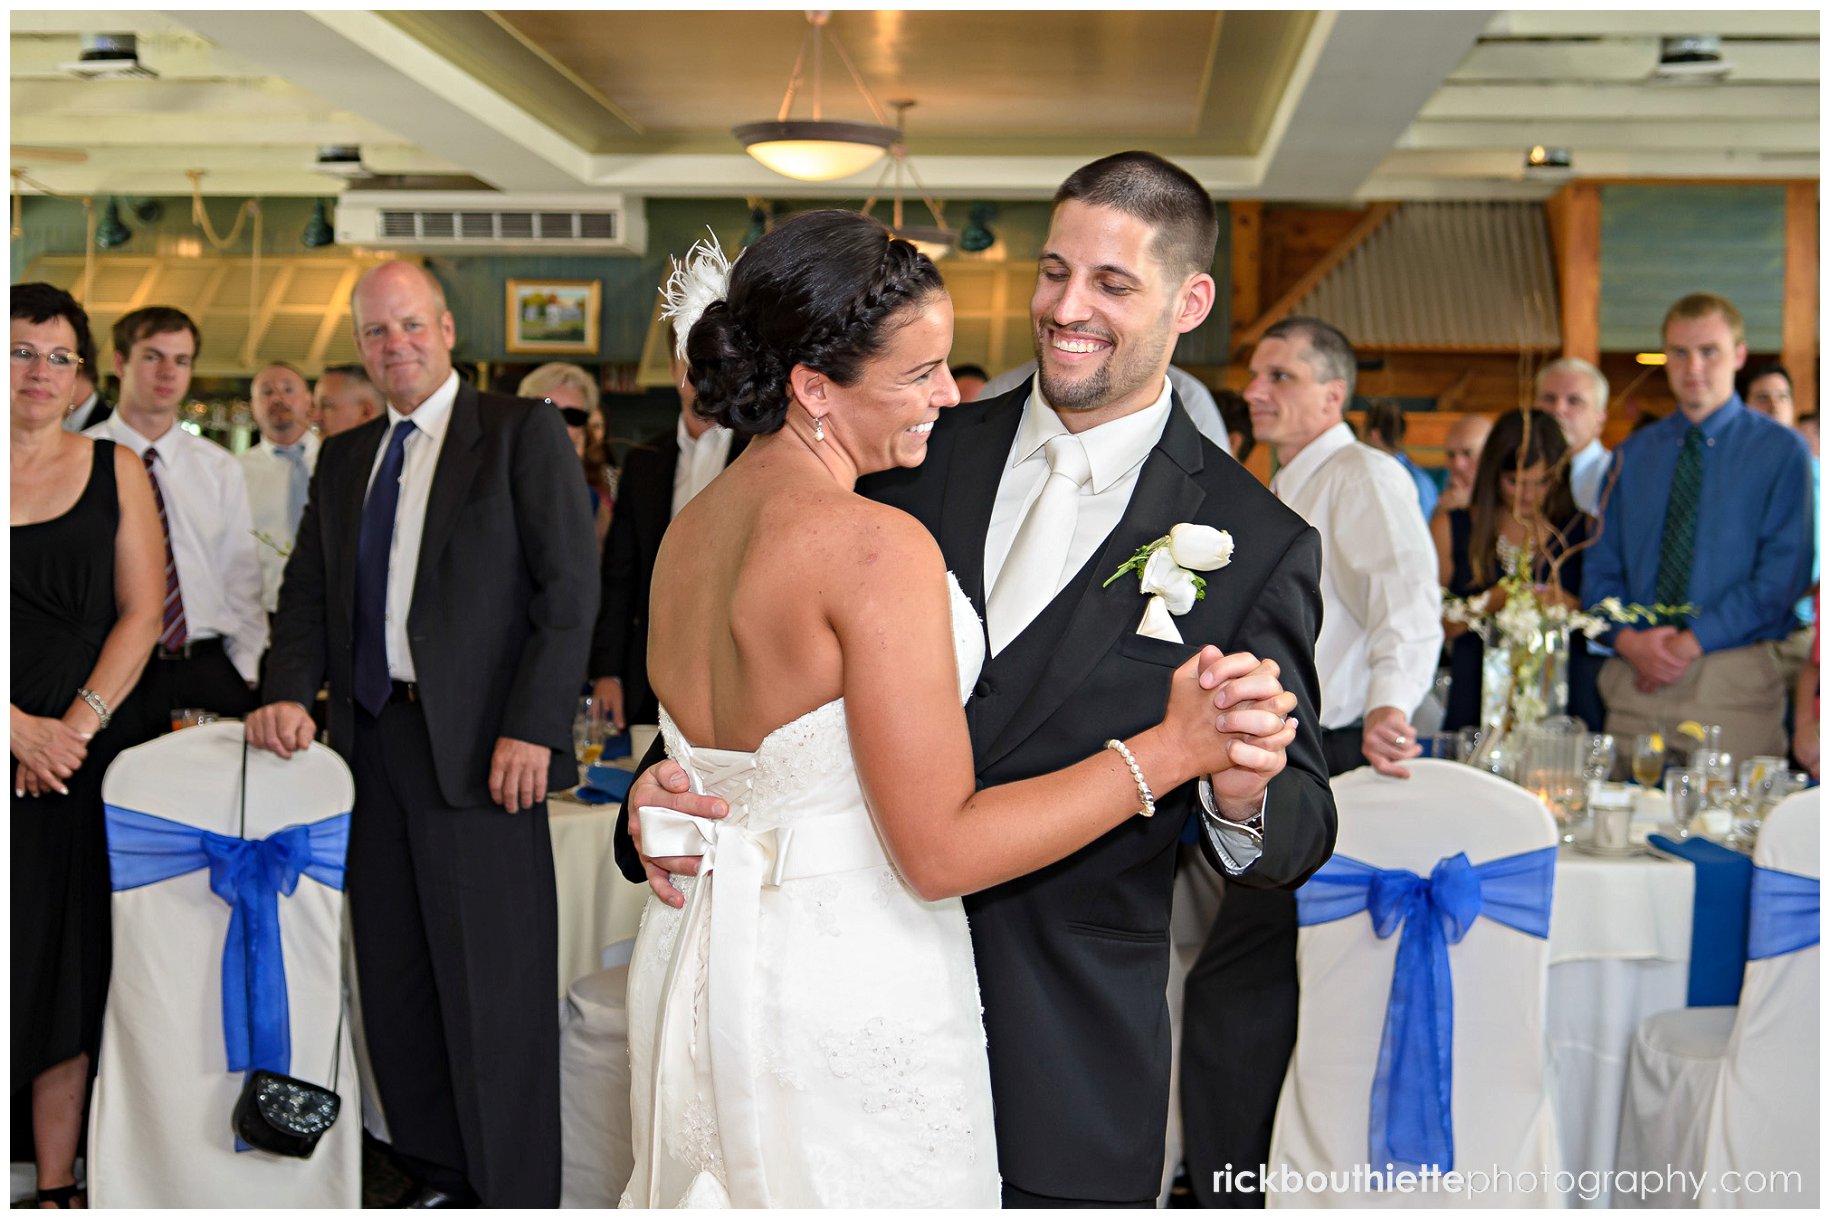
(206, 504)
(269, 478)
(430, 419)
(701, 460)
(1115, 452)
(1587, 469)
(1381, 607)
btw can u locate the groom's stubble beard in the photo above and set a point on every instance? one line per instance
(1124, 372)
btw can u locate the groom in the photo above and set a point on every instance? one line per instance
(1073, 959)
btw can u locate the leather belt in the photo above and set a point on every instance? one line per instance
(191, 649)
(403, 692)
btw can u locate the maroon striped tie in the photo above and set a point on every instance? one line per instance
(171, 633)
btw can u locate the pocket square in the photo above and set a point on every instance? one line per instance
(1158, 623)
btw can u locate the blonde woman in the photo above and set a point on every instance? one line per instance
(574, 392)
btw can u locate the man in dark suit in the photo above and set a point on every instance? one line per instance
(1073, 960)
(657, 482)
(442, 580)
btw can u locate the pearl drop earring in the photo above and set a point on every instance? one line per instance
(819, 428)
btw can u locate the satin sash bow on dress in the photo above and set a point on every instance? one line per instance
(1412, 1125)
(724, 910)
(250, 875)
(1782, 913)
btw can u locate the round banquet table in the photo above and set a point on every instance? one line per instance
(597, 905)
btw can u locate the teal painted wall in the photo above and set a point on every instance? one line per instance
(1660, 243)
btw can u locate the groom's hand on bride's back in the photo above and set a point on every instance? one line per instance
(665, 784)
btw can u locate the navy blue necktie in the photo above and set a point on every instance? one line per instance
(376, 539)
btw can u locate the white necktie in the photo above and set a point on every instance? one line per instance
(1032, 571)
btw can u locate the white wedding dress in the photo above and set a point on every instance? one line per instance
(806, 1031)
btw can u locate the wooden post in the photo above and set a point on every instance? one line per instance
(1247, 217)
(1798, 329)
(1575, 230)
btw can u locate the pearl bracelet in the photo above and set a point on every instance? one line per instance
(1137, 776)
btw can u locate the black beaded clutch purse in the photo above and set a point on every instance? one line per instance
(283, 1115)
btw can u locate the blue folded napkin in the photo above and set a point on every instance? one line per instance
(604, 784)
(1718, 920)
(616, 746)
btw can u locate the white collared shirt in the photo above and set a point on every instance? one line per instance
(1587, 468)
(78, 418)
(701, 459)
(1381, 609)
(1115, 456)
(269, 478)
(206, 505)
(430, 419)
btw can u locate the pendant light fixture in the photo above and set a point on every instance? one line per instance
(818, 149)
(935, 240)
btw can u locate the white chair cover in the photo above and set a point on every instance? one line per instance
(1502, 1114)
(1732, 1093)
(159, 1133)
(596, 1131)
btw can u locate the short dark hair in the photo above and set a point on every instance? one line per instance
(1162, 195)
(1236, 416)
(1744, 380)
(824, 289)
(1385, 419)
(969, 370)
(1330, 354)
(154, 319)
(40, 302)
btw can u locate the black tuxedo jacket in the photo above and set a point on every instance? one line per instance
(503, 597)
(644, 509)
(1073, 960)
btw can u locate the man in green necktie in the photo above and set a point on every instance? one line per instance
(1707, 510)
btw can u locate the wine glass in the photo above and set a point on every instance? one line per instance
(1685, 789)
(1599, 765)
(1467, 745)
(588, 731)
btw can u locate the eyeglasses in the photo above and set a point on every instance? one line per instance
(25, 357)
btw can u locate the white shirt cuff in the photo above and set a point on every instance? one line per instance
(1238, 844)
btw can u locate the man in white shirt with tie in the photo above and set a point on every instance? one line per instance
(278, 470)
(214, 630)
(1377, 652)
(1576, 393)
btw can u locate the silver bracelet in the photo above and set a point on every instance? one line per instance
(96, 705)
(1137, 776)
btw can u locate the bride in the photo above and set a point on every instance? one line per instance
(804, 1030)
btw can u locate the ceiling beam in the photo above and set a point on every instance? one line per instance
(372, 67)
(1579, 135)
(1357, 90)
(1728, 23)
(1577, 100)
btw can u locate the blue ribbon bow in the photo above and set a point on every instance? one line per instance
(250, 875)
(1411, 1125)
(1782, 913)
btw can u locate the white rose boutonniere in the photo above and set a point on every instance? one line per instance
(1166, 574)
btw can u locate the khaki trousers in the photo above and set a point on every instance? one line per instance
(1742, 690)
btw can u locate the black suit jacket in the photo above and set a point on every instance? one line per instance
(644, 509)
(1073, 960)
(503, 597)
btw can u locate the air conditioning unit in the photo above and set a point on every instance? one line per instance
(486, 222)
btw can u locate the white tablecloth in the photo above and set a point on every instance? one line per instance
(1619, 952)
(597, 906)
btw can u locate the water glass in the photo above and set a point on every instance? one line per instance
(588, 731)
(1686, 789)
(1599, 765)
(1467, 745)
(1553, 769)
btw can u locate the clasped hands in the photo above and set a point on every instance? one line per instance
(1659, 655)
(1252, 711)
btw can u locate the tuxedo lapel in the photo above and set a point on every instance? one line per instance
(457, 465)
(974, 469)
(1166, 494)
(345, 507)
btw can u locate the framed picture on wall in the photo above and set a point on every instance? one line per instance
(553, 316)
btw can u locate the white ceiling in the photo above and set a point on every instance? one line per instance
(1331, 106)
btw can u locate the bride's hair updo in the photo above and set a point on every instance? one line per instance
(824, 289)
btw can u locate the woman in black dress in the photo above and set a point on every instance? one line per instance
(88, 587)
(1511, 513)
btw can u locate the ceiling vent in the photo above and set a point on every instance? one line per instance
(1690, 60)
(109, 57)
(487, 222)
(341, 161)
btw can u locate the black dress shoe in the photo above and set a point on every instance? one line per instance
(427, 1196)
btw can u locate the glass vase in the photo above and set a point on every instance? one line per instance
(1524, 680)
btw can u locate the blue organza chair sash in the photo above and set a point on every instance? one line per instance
(1412, 1122)
(1782, 913)
(250, 875)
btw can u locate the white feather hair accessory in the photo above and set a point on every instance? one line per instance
(700, 278)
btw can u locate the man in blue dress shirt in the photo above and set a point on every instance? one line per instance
(1710, 509)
